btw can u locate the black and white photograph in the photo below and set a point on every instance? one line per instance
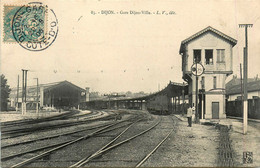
(130, 83)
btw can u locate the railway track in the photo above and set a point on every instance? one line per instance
(53, 136)
(13, 133)
(61, 143)
(58, 146)
(156, 147)
(122, 133)
(47, 120)
(110, 146)
(32, 121)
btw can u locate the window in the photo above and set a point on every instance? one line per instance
(202, 82)
(214, 82)
(220, 55)
(196, 56)
(209, 57)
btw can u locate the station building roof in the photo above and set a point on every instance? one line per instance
(172, 89)
(48, 86)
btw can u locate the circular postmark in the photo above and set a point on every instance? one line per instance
(35, 27)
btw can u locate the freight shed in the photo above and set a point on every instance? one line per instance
(62, 94)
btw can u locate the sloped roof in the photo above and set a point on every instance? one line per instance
(51, 85)
(236, 89)
(208, 29)
(172, 89)
(237, 81)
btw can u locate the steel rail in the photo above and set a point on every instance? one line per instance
(66, 144)
(86, 159)
(52, 145)
(23, 132)
(29, 127)
(59, 147)
(30, 121)
(114, 146)
(148, 155)
(55, 136)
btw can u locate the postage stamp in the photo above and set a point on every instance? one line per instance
(9, 12)
(33, 26)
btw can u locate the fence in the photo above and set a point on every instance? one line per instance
(234, 108)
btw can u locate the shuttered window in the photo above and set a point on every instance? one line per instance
(220, 55)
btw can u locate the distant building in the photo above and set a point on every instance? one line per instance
(55, 95)
(213, 49)
(233, 88)
(87, 94)
(95, 96)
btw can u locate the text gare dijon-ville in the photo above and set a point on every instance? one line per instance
(132, 12)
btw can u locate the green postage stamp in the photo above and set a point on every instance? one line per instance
(31, 26)
(24, 23)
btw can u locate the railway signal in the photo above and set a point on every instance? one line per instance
(197, 69)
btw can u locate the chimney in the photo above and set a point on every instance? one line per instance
(87, 94)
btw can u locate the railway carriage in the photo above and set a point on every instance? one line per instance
(158, 104)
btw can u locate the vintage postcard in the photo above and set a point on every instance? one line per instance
(128, 83)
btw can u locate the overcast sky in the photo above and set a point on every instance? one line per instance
(130, 52)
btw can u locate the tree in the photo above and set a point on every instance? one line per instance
(5, 91)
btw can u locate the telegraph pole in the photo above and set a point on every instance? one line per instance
(25, 85)
(241, 80)
(24, 91)
(17, 96)
(245, 113)
(37, 99)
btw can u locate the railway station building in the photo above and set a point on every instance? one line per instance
(62, 94)
(213, 50)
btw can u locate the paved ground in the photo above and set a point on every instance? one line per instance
(245, 143)
(190, 146)
(241, 143)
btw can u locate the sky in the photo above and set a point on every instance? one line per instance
(126, 52)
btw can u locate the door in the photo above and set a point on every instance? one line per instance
(215, 110)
